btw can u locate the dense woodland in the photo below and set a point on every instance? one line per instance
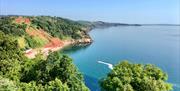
(57, 72)
(17, 72)
(54, 26)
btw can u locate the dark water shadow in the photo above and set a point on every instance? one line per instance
(92, 83)
(74, 48)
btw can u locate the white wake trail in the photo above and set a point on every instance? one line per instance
(110, 66)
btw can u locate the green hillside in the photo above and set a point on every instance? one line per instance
(36, 31)
(56, 72)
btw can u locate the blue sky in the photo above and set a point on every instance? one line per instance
(125, 11)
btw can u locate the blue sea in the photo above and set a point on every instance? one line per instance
(159, 45)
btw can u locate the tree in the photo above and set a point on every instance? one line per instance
(126, 76)
(57, 69)
(10, 57)
(7, 85)
(9, 27)
(56, 85)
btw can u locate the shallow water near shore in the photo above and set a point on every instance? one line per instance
(159, 45)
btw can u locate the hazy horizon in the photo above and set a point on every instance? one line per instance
(122, 11)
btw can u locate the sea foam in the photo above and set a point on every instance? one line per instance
(110, 66)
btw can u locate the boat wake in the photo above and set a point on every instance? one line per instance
(110, 66)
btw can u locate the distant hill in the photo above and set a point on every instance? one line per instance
(160, 24)
(101, 24)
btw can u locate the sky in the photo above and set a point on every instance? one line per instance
(122, 11)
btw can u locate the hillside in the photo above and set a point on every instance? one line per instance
(28, 61)
(41, 34)
(101, 24)
(19, 73)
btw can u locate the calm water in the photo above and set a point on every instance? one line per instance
(159, 45)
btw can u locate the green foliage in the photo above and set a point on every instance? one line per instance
(135, 77)
(56, 85)
(10, 57)
(56, 73)
(34, 42)
(54, 26)
(7, 85)
(8, 27)
(21, 42)
(59, 27)
(55, 68)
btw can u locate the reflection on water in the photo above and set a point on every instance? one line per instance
(74, 48)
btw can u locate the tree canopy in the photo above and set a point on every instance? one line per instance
(36, 31)
(126, 76)
(55, 26)
(17, 72)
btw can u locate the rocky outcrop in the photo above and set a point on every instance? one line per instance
(84, 41)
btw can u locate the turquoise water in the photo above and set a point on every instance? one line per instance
(159, 45)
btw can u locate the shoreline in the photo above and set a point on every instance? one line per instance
(31, 53)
